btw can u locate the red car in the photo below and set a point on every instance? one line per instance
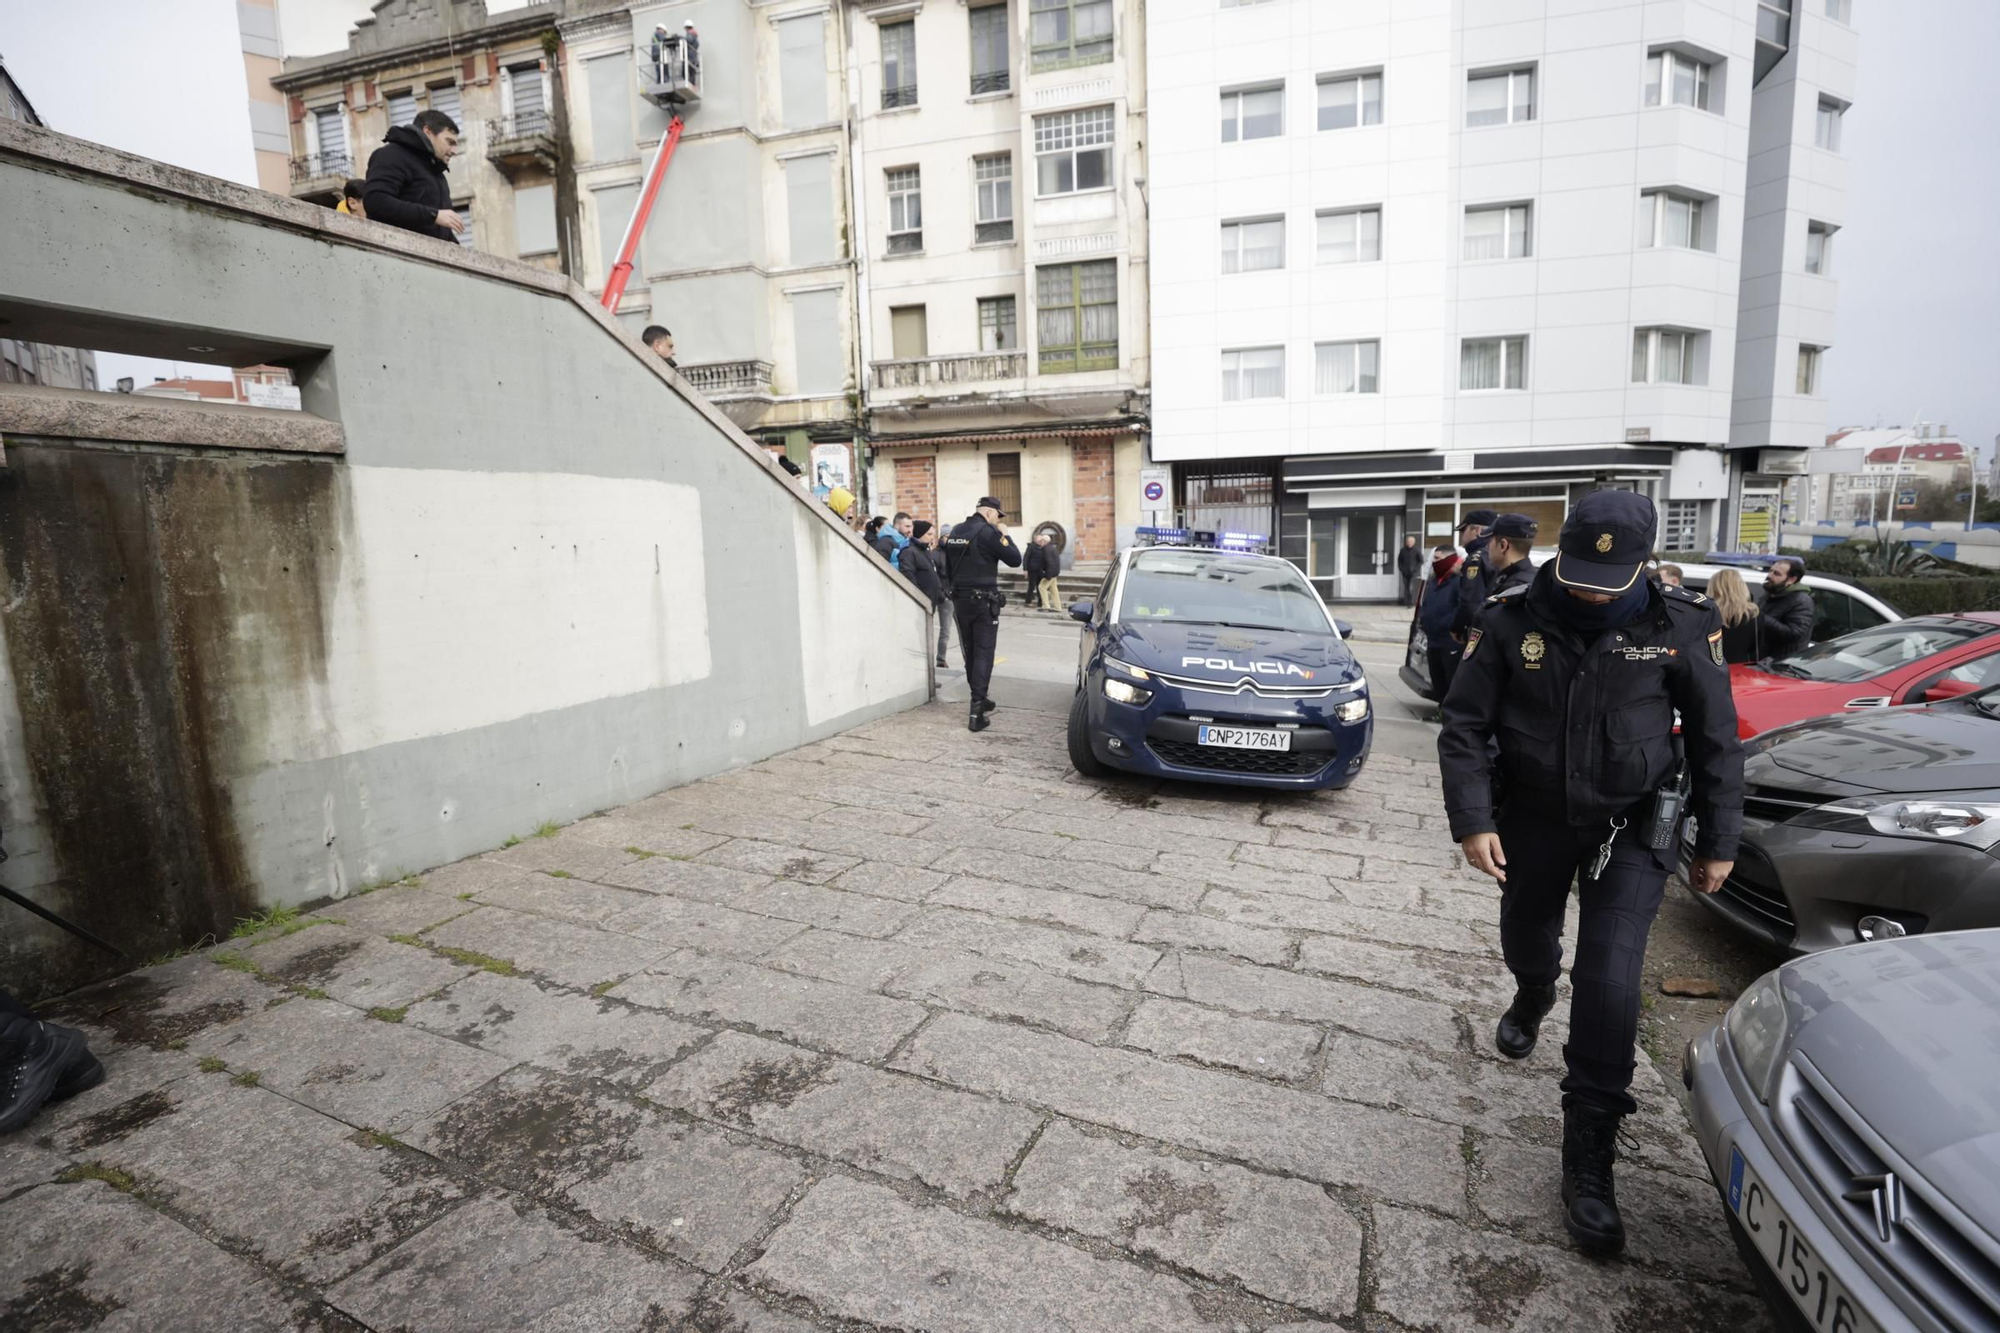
(1920, 660)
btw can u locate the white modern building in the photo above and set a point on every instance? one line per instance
(999, 199)
(1416, 259)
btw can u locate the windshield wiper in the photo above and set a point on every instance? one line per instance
(1777, 668)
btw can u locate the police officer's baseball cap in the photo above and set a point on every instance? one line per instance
(988, 502)
(1479, 518)
(1516, 527)
(1605, 542)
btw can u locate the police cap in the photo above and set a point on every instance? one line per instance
(1479, 518)
(1516, 527)
(988, 502)
(1605, 542)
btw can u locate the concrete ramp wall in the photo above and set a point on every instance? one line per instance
(505, 568)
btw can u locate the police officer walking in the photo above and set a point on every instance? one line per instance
(1577, 675)
(1503, 563)
(973, 554)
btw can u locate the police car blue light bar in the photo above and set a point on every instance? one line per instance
(1246, 542)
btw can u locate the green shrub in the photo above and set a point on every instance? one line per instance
(1933, 596)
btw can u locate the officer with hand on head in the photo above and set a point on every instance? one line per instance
(972, 557)
(1502, 562)
(1578, 674)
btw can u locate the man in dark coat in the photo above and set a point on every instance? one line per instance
(1035, 563)
(922, 566)
(1409, 571)
(1788, 615)
(406, 186)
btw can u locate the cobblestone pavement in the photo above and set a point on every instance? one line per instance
(908, 1029)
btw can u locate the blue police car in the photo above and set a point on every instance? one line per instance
(1207, 661)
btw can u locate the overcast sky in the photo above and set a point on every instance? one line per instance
(1919, 283)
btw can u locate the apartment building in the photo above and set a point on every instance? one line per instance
(494, 75)
(1421, 259)
(999, 204)
(746, 254)
(23, 362)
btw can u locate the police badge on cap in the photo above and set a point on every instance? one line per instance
(1605, 542)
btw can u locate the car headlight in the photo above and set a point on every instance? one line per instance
(1971, 819)
(1122, 693)
(1353, 710)
(1137, 673)
(1759, 1026)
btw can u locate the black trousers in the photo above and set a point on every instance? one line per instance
(1442, 654)
(1545, 855)
(977, 611)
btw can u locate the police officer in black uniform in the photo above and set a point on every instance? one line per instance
(972, 556)
(1502, 563)
(1578, 675)
(1444, 652)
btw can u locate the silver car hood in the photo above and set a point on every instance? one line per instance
(1908, 1031)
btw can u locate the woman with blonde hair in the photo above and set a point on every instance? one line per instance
(1742, 628)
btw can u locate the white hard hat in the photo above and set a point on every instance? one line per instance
(689, 24)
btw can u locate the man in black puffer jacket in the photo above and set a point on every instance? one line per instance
(406, 186)
(922, 566)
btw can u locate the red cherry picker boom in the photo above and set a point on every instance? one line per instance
(669, 78)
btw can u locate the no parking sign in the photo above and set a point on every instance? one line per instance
(1155, 499)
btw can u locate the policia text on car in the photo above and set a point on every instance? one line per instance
(1573, 681)
(972, 557)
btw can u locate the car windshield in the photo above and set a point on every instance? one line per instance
(1217, 588)
(1870, 652)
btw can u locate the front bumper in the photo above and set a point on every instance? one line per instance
(1159, 738)
(1728, 1116)
(1804, 889)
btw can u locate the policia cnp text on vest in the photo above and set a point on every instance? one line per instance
(973, 555)
(1574, 681)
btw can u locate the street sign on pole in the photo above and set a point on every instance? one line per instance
(1156, 496)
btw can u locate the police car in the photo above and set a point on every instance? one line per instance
(1206, 660)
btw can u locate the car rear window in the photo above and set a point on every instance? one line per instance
(1870, 652)
(1216, 588)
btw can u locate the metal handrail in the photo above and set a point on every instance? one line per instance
(670, 69)
(520, 126)
(311, 166)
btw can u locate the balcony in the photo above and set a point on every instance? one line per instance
(521, 143)
(720, 381)
(949, 372)
(315, 174)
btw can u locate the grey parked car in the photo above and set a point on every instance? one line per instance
(1849, 1108)
(1868, 825)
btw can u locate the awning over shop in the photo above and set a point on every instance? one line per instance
(1322, 470)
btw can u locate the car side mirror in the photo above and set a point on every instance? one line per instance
(1343, 629)
(1948, 689)
(1083, 610)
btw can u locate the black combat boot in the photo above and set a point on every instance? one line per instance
(1522, 1023)
(985, 705)
(975, 719)
(40, 1062)
(1590, 1201)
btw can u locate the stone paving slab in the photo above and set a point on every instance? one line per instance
(1280, 1238)
(1278, 1129)
(871, 1120)
(561, 1030)
(862, 1252)
(504, 1263)
(995, 1048)
(87, 1256)
(337, 1060)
